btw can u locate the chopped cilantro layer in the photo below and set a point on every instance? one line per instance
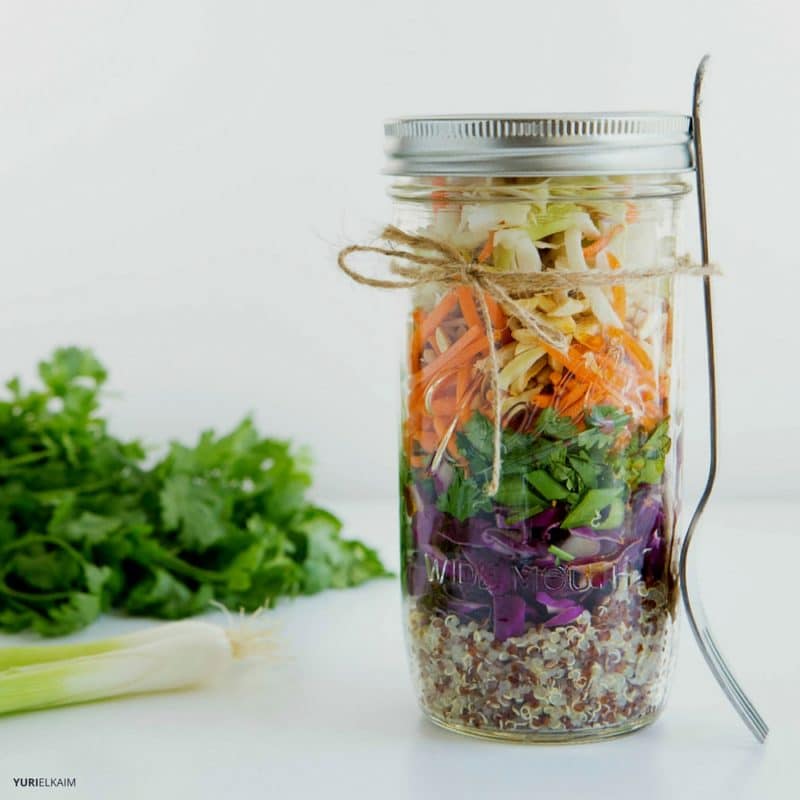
(587, 469)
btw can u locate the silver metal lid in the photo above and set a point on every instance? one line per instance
(547, 144)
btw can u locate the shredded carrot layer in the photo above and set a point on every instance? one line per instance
(446, 382)
(609, 368)
(416, 341)
(438, 196)
(488, 248)
(467, 303)
(453, 356)
(633, 347)
(498, 317)
(619, 298)
(438, 314)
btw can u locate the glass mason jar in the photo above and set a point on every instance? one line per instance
(545, 611)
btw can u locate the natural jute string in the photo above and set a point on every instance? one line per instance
(429, 260)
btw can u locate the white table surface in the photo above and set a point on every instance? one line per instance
(335, 716)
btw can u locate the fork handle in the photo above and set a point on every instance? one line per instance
(689, 584)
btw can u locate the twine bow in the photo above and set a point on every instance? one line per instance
(419, 260)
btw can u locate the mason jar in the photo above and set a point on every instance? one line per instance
(540, 601)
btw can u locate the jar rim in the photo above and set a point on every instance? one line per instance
(526, 189)
(563, 144)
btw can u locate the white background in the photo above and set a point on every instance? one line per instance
(175, 180)
(176, 177)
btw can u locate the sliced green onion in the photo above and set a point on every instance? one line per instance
(171, 656)
(559, 553)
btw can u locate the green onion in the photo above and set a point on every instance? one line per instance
(559, 553)
(171, 656)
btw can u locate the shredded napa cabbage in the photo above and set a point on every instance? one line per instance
(526, 257)
(601, 306)
(478, 221)
(558, 217)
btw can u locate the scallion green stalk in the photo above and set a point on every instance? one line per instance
(559, 553)
(172, 656)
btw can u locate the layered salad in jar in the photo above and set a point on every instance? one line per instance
(543, 610)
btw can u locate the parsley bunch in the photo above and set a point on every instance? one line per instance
(85, 526)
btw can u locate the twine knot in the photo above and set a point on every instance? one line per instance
(419, 260)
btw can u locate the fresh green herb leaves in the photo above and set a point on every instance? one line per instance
(549, 424)
(84, 526)
(592, 471)
(646, 459)
(463, 498)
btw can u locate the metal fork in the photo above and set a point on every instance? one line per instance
(688, 575)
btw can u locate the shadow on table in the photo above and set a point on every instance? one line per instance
(656, 763)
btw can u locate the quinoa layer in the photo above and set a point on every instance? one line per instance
(606, 669)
